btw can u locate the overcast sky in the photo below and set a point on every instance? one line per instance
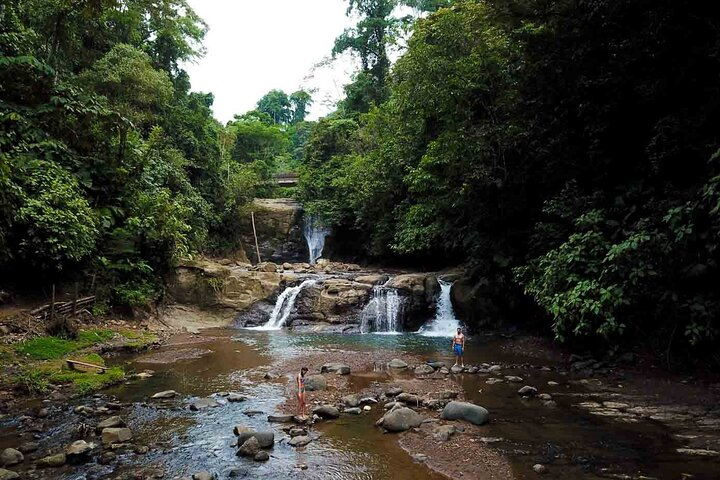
(255, 46)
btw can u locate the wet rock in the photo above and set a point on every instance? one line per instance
(265, 439)
(371, 279)
(315, 383)
(327, 412)
(698, 452)
(494, 380)
(539, 468)
(8, 475)
(550, 403)
(351, 400)
(110, 422)
(42, 413)
(397, 363)
(28, 447)
(424, 370)
(390, 405)
(545, 396)
(393, 392)
(52, 461)
(84, 410)
(444, 432)
(280, 418)
(116, 435)
(141, 449)
(235, 398)
(473, 370)
(297, 432)
(338, 368)
(457, 369)
(252, 413)
(299, 441)
(270, 376)
(204, 475)
(368, 400)
(79, 451)
(400, 420)
(353, 411)
(249, 448)
(468, 412)
(165, 394)
(204, 403)
(444, 370)
(448, 395)
(10, 456)
(437, 365)
(262, 456)
(367, 408)
(408, 398)
(513, 379)
(553, 384)
(527, 391)
(494, 369)
(419, 457)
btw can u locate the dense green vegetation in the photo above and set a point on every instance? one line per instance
(565, 149)
(110, 167)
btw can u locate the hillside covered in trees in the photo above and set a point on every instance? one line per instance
(567, 150)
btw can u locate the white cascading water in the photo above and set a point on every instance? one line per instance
(444, 324)
(284, 305)
(383, 313)
(315, 234)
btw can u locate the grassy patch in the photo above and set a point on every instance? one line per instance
(51, 348)
(138, 339)
(38, 378)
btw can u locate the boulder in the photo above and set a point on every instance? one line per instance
(280, 418)
(351, 400)
(436, 365)
(545, 396)
(8, 475)
(249, 448)
(494, 369)
(165, 394)
(553, 383)
(393, 391)
(116, 435)
(52, 461)
(527, 391)
(368, 400)
(444, 370)
(401, 419)
(79, 451)
(235, 398)
(468, 412)
(397, 363)
(238, 429)
(204, 403)
(265, 439)
(297, 432)
(10, 456)
(408, 398)
(424, 370)
(299, 441)
(261, 456)
(457, 369)
(110, 422)
(338, 368)
(353, 411)
(314, 383)
(327, 412)
(513, 379)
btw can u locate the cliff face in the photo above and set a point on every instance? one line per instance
(278, 222)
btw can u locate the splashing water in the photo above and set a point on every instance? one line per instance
(444, 324)
(315, 234)
(284, 305)
(383, 313)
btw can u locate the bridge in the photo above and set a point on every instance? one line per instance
(287, 179)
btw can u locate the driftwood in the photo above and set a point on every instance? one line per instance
(71, 365)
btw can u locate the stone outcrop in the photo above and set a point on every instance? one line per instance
(278, 222)
(335, 301)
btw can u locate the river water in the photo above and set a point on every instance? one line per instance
(575, 443)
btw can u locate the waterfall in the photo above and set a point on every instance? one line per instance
(383, 313)
(315, 234)
(444, 324)
(284, 305)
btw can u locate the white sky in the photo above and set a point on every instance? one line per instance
(255, 46)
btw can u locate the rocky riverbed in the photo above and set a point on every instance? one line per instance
(385, 406)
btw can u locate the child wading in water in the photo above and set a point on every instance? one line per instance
(302, 407)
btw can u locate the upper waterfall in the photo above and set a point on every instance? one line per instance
(315, 234)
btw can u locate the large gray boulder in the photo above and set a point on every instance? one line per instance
(401, 419)
(527, 391)
(266, 439)
(327, 412)
(351, 400)
(408, 398)
(468, 412)
(338, 368)
(10, 456)
(249, 448)
(314, 383)
(424, 370)
(397, 363)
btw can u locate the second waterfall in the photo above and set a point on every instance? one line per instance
(383, 313)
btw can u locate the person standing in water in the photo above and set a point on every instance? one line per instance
(458, 346)
(300, 379)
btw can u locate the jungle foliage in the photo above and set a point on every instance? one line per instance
(111, 168)
(565, 149)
